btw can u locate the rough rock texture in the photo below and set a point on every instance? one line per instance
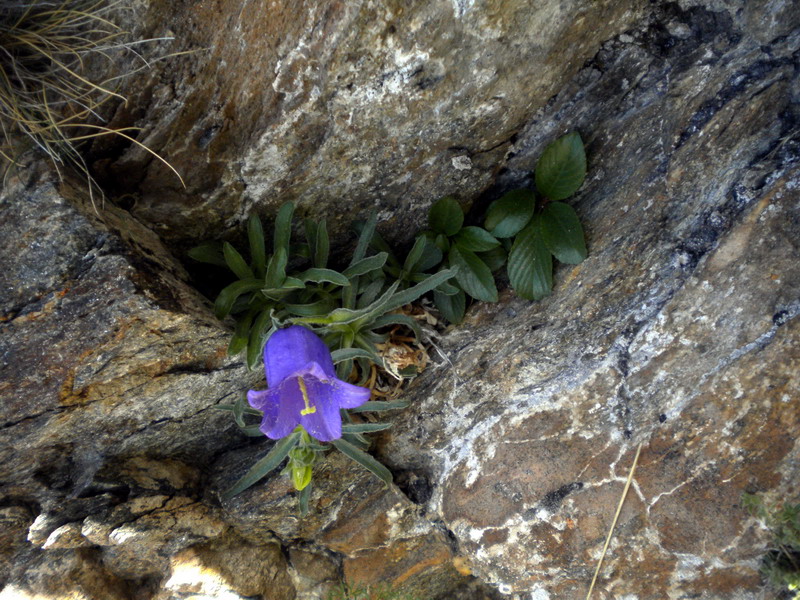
(110, 366)
(679, 333)
(389, 105)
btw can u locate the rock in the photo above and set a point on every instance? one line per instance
(387, 106)
(678, 334)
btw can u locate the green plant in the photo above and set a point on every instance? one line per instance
(294, 284)
(371, 592)
(542, 227)
(781, 563)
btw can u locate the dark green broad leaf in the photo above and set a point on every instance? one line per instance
(562, 233)
(562, 167)
(508, 215)
(209, 253)
(229, 294)
(530, 264)
(452, 307)
(269, 463)
(431, 255)
(474, 277)
(494, 258)
(446, 216)
(258, 251)
(236, 263)
(475, 239)
(283, 228)
(364, 459)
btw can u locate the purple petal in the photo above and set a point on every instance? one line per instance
(325, 423)
(289, 350)
(266, 401)
(349, 395)
(287, 417)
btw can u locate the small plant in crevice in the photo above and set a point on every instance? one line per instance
(46, 90)
(522, 230)
(781, 563)
(384, 591)
(322, 328)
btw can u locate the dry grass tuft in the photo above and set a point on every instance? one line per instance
(46, 92)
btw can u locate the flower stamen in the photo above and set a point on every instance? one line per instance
(309, 409)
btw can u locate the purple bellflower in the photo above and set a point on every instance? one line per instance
(303, 387)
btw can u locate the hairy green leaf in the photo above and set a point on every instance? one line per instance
(276, 269)
(530, 264)
(255, 235)
(508, 215)
(562, 167)
(343, 354)
(562, 233)
(262, 468)
(474, 277)
(236, 263)
(241, 333)
(366, 265)
(415, 254)
(364, 459)
(323, 276)
(379, 406)
(259, 333)
(321, 246)
(283, 228)
(398, 319)
(365, 427)
(209, 253)
(229, 294)
(446, 216)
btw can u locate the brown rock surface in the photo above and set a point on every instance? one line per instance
(678, 333)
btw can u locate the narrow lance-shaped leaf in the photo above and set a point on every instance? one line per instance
(365, 427)
(270, 462)
(316, 275)
(283, 228)
(229, 294)
(276, 269)
(209, 253)
(258, 253)
(398, 319)
(380, 406)
(258, 337)
(366, 265)
(241, 333)
(236, 263)
(474, 277)
(321, 246)
(423, 287)
(415, 254)
(364, 459)
(562, 167)
(562, 233)
(530, 264)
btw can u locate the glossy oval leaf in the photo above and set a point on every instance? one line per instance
(431, 255)
(475, 239)
(562, 167)
(562, 233)
(452, 307)
(474, 277)
(446, 216)
(509, 215)
(530, 264)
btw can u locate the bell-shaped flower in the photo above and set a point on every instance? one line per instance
(302, 387)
